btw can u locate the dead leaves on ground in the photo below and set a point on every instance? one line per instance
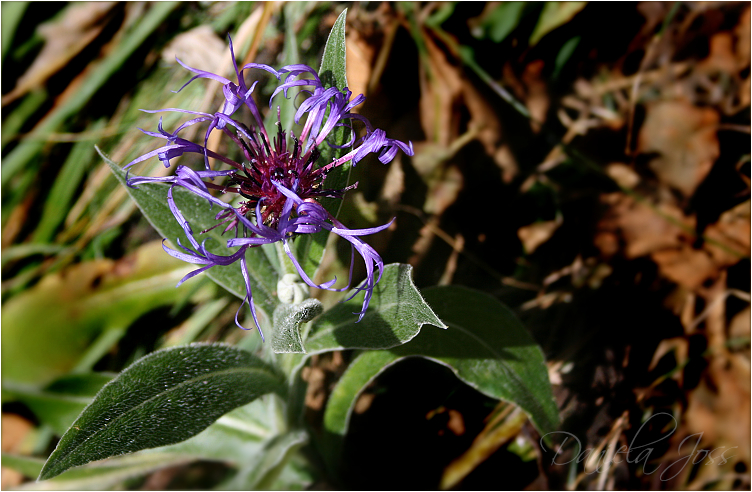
(682, 105)
(717, 412)
(639, 228)
(684, 137)
(64, 37)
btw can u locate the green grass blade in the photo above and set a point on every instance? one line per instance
(100, 74)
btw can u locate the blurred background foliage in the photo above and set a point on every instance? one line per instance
(586, 163)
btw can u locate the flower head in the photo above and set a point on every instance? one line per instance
(280, 177)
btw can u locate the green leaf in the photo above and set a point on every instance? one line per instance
(359, 373)
(333, 71)
(490, 349)
(12, 12)
(554, 14)
(237, 439)
(163, 398)
(296, 474)
(25, 465)
(292, 13)
(61, 402)
(152, 200)
(287, 321)
(49, 328)
(485, 345)
(309, 248)
(395, 315)
(500, 22)
(100, 73)
(22, 113)
(273, 457)
(565, 53)
(60, 197)
(96, 476)
(297, 389)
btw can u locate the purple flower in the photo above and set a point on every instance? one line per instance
(280, 178)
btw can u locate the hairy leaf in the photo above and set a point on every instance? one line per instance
(238, 439)
(485, 345)
(333, 69)
(287, 321)
(163, 398)
(360, 372)
(395, 315)
(273, 457)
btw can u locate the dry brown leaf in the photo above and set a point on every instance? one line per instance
(443, 89)
(444, 182)
(732, 231)
(394, 183)
(360, 57)
(506, 161)
(607, 243)
(721, 56)
(199, 47)
(536, 234)
(443, 187)
(428, 158)
(64, 39)
(685, 266)
(537, 100)
(685, 137)
(678, 345)
(16, 220)
(743, 35)
(440, 88)
(15, 430)
(456, 423)
(482, 119)
(720, 408)
(624, 175)
(316, 391)
(10, 478)
(646, 230)
(718, 411)
(363, 403)
(644, 227)
(740, 325)
(497, 432)
(664, 232)
(425, 239)
(654, 13)
(444, 190)
(745, 92)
